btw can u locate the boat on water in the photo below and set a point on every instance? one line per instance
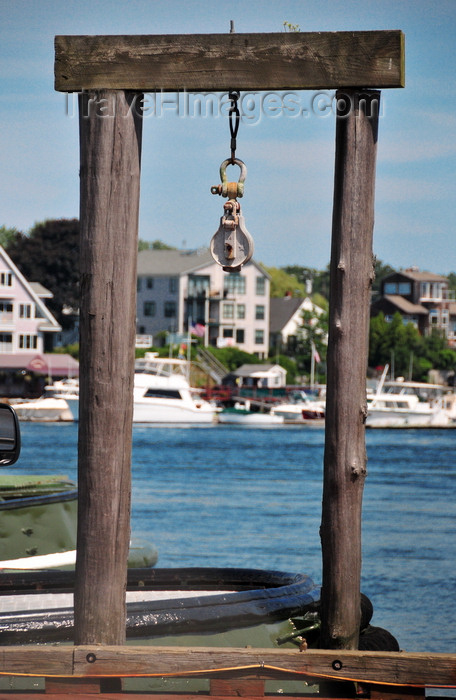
(300, 407)
(162, 393)
(406, 404)
(38, 514)
(52, 406)
(239, 415)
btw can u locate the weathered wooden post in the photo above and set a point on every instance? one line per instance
(110, 145)
(351, 278)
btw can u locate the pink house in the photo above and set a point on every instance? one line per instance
(26, 328)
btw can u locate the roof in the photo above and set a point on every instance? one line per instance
(281, 310)
(172, 262)
(57, 364)
(41, 291)
(177, 262)
(404, 305)
(255, 370)
(418, 275)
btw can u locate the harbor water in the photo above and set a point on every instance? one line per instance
(251, 497)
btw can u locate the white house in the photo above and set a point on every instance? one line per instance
(285, 319)
(25, 321)
(181, 290)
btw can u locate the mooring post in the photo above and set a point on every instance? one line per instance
(351, 278)
(110, 150)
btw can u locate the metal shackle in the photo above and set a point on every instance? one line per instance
(231, 189)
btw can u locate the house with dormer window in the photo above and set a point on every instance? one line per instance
(422, 298)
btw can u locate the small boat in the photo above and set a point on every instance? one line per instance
(38, 514)
(208, 607)
(52, 406)
(244, 416)
(401, 404)
(162, 393)
(300, 407)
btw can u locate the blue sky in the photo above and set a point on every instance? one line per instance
(290, 159)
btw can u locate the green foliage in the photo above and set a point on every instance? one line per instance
(283, 283)
(288, 27)
(232, 358)
(7, 235)
(402, 344)
(452, 280)
(318, 278)
(287, 363)
(49, 254)
(72, 350)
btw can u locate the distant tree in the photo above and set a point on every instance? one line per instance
(282, 283)
(452, 280)
(49, 254)
(7, 235)
(319, 279)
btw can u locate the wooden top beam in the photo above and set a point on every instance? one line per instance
(220, 62)
(397, 668)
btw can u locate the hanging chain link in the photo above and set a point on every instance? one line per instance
(234, 117)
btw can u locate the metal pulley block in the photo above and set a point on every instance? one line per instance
(232, 244)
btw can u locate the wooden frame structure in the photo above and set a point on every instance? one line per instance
(111, 72)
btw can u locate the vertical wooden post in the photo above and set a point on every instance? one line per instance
(110, 149)
(351, 279)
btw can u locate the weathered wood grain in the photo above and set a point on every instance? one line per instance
(398, 668)
(351, 274)
(218, 62)
(109, 205)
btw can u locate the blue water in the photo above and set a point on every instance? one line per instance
(224, 496)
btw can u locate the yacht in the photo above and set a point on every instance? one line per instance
(162, 393)
(401, 404)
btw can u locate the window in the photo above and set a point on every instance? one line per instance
(240, 334)
(149, 308)
(260, 285)
(138, 284)
(198, 285)
(170, 309)
(228, 311)
(390, 288)
(6, 309)
(227, 332)
(150, 282)
(25, 311)
(259, 313)
(163, 394)
(240, 310)
(234, 283)
(6, 342)
(173, 285)
(259, 336)
(405, 288)
(28, 342)
(6, 279)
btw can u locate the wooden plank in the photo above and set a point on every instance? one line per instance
(398, 668)
(109, 205)
(219, 62)
(345, 457)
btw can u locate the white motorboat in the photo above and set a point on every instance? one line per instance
(401, 404)
(52, 406)
(50, 409)
(300, 407)
(162, 393)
